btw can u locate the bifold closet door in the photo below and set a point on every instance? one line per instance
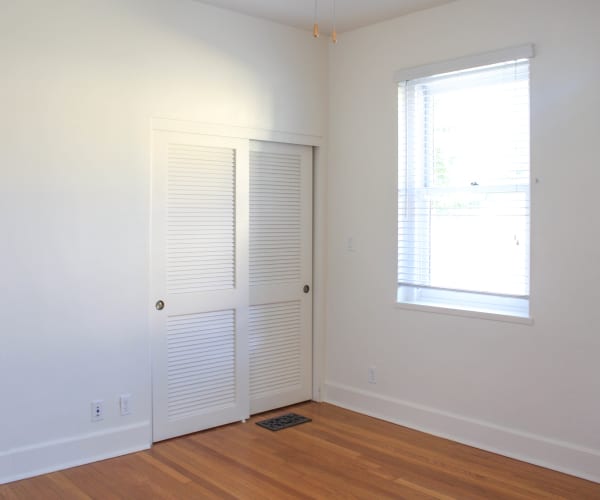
(280, 313)
(199, 282)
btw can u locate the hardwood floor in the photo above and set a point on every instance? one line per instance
(341, 454)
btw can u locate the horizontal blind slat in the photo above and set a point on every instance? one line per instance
(463, 183)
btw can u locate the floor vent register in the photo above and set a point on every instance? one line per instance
(283, 421)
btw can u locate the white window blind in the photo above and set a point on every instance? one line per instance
(463, 191)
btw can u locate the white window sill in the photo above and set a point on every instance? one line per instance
(465, 313)
(469, 305)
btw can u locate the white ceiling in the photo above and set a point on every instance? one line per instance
(350, 14)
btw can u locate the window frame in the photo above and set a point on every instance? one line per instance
(456, 302)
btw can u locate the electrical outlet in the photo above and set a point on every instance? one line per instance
(372, 375)
(125, 404)
(350, 244)
(97, 410)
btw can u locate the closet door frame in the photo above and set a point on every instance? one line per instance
(319, 221)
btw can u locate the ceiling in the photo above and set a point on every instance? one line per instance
(350, 14)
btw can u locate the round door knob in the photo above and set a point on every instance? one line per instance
(306, 289)
(160, 305)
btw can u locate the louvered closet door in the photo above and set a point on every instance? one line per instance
(200, 272)
(280, 314)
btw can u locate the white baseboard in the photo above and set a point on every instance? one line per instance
(539, 450)
(50, 456)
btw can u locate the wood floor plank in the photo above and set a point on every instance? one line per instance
(281, 464)
(64, 486)
(414, 458)
(340, 454)
(253, 458)
(164, 468)
(210, 486)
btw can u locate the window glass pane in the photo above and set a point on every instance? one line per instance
(477, 244)
(463, 211)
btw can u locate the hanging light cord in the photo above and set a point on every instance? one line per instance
(316, 21)
(334, 32)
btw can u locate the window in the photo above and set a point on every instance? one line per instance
(463, 189)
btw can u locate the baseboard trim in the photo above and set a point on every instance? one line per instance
(50, 456)
(535, 449)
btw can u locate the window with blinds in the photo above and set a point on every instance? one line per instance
(464, 189)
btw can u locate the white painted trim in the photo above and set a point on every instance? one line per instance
(525, 51)
(319, 270)
(232, 131)
(546, 452)
(465, 313)
(58, 454)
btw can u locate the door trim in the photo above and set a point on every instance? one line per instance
(319, 291)
(234, 132)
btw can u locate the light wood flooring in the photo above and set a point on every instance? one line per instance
(341, 454)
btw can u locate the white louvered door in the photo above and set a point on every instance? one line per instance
(280, 314)
(199, 258)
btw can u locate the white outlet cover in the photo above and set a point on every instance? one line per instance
(350, 247)
(97, 409)
(125, 404)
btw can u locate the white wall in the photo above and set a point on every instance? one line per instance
(532, 392)
(80, 81)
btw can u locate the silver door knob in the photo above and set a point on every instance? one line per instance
(160, 305)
